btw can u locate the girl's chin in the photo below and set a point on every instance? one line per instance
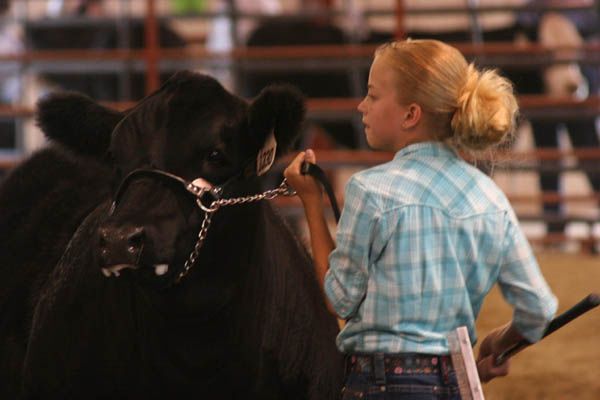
(375, 145)
(372, 143)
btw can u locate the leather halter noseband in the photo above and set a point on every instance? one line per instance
(197, 191)
(216, 192)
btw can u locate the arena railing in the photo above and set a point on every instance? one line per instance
(153, 59)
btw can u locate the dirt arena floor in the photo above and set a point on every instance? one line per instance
(566, 364)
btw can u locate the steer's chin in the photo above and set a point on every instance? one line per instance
(157, 270)
(115, 270)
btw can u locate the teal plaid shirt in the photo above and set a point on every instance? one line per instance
(421, 241)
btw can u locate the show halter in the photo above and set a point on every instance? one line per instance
(200, 187)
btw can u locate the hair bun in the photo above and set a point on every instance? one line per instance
(469, 87)
(485, 110)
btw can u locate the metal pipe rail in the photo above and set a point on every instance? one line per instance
(537, 105)
(565, 5)
(343, 158)
(587, 244)
(152, 55)
(292, 207)
(532, 106)
(334, 159)
(295, 52)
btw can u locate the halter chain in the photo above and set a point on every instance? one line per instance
(282, 190)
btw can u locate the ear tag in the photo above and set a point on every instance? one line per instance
(266, 155)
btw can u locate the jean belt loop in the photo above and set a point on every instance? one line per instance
(379, 368)
(445, 370)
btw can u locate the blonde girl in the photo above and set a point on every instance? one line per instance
(423, 238)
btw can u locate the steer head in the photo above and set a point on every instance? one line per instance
(196, 130)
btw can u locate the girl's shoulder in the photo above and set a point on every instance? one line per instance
(372, 176)
(434, 181)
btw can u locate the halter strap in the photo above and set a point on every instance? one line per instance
(195, 190)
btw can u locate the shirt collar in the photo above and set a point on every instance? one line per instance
(433, 148)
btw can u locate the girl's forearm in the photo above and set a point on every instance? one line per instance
(508, 336)
(321, 241)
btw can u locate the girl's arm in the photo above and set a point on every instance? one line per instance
(311, 195)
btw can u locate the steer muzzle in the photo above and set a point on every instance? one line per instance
(120, 247)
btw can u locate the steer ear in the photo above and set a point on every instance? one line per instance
(77, 122)
(279, 109)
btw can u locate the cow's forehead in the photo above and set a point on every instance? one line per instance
(204, 96)
(220, 118)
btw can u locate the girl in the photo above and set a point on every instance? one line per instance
(424, 237)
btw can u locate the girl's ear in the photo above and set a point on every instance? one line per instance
(412, 116)
(77, 122)
(278, 109)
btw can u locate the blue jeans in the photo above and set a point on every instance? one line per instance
(388, 381)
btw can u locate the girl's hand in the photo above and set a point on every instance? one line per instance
(488, 370)
(307, 188)
(491, 346)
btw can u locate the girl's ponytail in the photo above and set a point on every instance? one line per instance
(486, 110)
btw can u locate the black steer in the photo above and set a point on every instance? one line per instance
(247, 322)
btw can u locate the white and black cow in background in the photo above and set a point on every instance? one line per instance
(247, 322)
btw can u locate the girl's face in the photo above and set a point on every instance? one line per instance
(382, 114)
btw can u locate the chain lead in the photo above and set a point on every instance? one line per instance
(284, 189)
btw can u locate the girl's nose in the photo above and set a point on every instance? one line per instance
(361, 106)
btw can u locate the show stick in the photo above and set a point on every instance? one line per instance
(589, 302)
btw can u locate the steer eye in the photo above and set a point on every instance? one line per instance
(216, 157)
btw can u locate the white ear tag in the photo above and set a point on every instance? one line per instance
(202, 183)
(266, 155)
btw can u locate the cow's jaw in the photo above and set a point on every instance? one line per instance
(115, 269)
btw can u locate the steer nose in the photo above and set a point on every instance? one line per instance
(121, 245)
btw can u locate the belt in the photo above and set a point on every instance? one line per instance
(408, 363)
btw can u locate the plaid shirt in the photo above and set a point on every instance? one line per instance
(421, 241)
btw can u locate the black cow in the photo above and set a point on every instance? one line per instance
(321, 83)
(111, 83)
(248, 320)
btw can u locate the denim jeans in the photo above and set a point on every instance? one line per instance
(400, 383)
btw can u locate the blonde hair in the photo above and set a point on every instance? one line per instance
(476, 109)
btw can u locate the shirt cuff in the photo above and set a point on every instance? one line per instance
(337, 295)
(532, 326)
